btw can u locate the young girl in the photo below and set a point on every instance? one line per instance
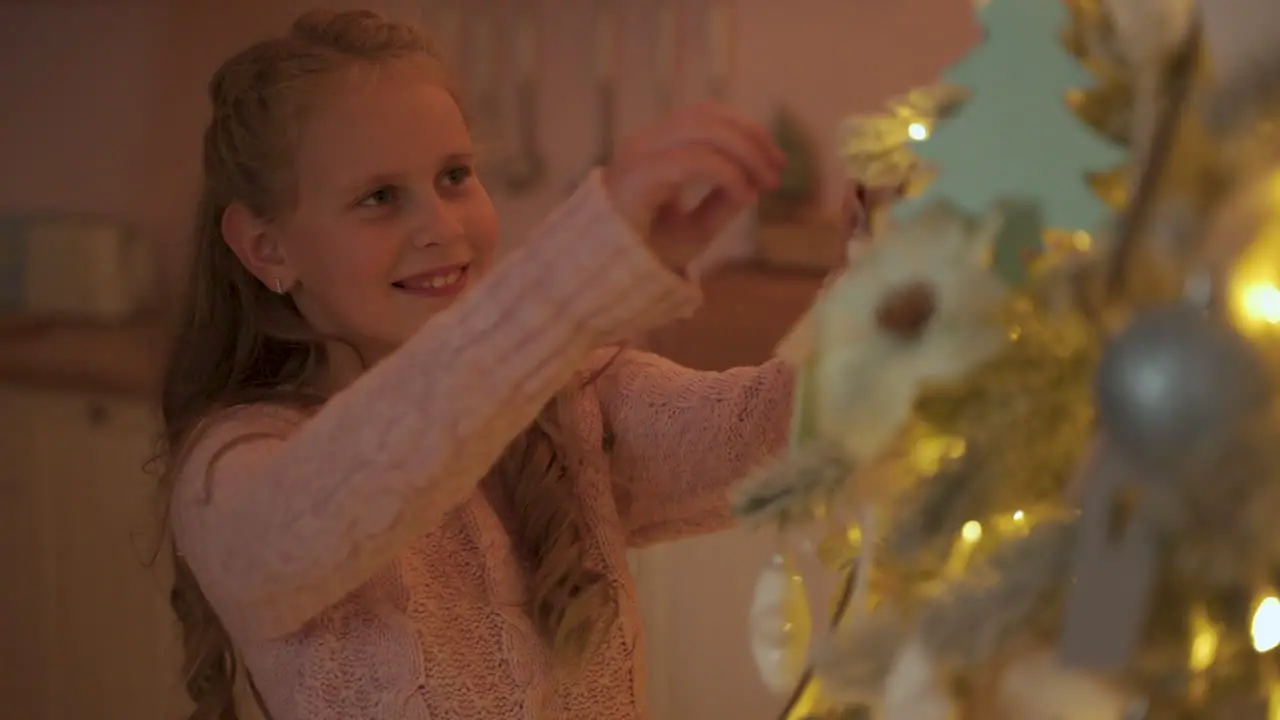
(402, 483)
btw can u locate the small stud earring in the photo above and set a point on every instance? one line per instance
(279, 287)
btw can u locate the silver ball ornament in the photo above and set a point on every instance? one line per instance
(1177, 382)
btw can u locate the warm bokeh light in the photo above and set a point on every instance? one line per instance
(1253, 286)
(1266, 625)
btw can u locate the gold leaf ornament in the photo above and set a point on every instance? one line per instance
(876, 148)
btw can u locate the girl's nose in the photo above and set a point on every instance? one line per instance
(435, 225)
(422, 237)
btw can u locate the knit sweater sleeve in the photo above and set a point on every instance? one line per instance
(682, 438)
(280, 517)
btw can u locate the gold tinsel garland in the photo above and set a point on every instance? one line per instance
(1107, 106)
(1012, 434)
(1205, 650)
(1213, 610)
(958, 493)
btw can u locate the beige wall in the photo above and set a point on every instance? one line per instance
(103, 100)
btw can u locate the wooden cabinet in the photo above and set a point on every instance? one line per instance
(26, 578)
(84, 610)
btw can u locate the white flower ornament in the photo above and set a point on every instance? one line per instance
(922, 305)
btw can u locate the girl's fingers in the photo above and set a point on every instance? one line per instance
(681, 167)
(716, 211)
(727, 192)
(758, 168)
(751, 129)
(720, 128)
(726, 158)
(729, 117)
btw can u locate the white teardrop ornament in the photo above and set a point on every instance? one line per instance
(781, 625)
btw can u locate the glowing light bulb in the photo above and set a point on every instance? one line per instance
(1253, 281)
(1019, 516)
(963, 548)
(1261, 302)
(1266, 625)
(917, 131)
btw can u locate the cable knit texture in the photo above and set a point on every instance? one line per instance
(359, 556)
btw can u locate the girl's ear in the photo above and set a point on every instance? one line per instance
(258, 248)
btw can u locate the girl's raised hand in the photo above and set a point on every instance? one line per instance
(707, 151)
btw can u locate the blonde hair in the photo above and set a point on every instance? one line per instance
(239, 343)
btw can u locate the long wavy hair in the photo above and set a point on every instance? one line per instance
(239, 343)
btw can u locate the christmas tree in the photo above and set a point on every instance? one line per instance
(1016, 136)
(1059, 512)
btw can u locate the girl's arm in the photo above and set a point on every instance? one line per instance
(280, 517)
(682, 438)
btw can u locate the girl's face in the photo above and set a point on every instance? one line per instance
(391, 224)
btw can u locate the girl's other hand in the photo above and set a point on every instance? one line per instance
(727, 159)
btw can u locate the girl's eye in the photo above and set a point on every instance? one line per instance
(382, 196)
(456, 175)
